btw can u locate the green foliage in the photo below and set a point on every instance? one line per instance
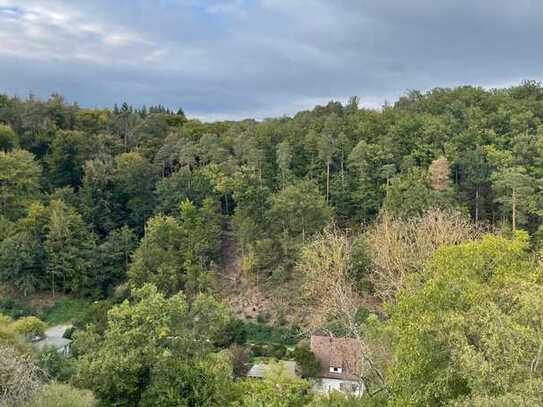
(78, 185)
(95, 315)
(22, 260)
(19, 182)
(134, 184)
(205, 382)
(337, 399)
(56, 366)
(159, 257)
(68, 152)
(13, 308)
(65, 310)
(260, 333)
(299, 211)
(51, 247)
(515, 193)
(473, 324)
(409, 195)
(8, 139)
(156, 348)
(361, 263)
(277, 389)
(235, 333)
(305, 360)
(114, 254)
(63, 395)
(98, 206)
(29, 327)
(174, 254)
(182, 185)
(69, 246)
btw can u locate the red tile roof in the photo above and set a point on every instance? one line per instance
(344, 353)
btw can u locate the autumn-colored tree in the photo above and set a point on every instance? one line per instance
(439, 173)
(400, 247)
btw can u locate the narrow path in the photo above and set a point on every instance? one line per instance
(243, 295)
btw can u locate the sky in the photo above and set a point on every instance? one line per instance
(234, 59)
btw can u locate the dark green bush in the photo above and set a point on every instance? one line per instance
(14, 308)
(68, 333)
(261, 333)
(234, 333)
(259, 351)
(56, 365)
(278, 351)
(305, 359)
(262, 317)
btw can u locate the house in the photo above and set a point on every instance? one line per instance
(54, 339)
(340, 361)
(259, 370)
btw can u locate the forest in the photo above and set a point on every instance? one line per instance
(182, 250)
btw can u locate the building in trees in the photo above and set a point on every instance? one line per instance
(340, 364)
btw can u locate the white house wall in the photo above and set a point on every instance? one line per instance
(326, 385)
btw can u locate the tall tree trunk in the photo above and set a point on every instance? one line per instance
(514, 210)
(477, 204)
(456, 174)
(342, 170)
(327, 180)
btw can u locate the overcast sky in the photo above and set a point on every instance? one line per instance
(257, 58)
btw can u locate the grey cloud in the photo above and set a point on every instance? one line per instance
(239, 58)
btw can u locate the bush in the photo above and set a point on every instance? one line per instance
(14, 309)
(278, 351)
(266, 334)
(5, 320)
(95, 314)
(29, 327)
(8, 138)
(262, 317)
(68, 333)
(56, 365)
(234, 333)
(362, 315)
(63, 395)
(361, 266)
(260, 351)
(307, 363)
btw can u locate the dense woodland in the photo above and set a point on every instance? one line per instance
(416, 229)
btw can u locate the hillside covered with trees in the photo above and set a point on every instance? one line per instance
(416, 229)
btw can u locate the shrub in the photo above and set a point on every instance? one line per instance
(95, 314)
(56, 365)
(68, 333)
(260, 351)
(262, 317)
(307, 363)
(278, 351)
(29, 327)
(234, 333)
(13, 308)
(63, 395)
(264, 333)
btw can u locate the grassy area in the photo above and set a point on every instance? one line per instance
(261, 333)
(65, 310)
